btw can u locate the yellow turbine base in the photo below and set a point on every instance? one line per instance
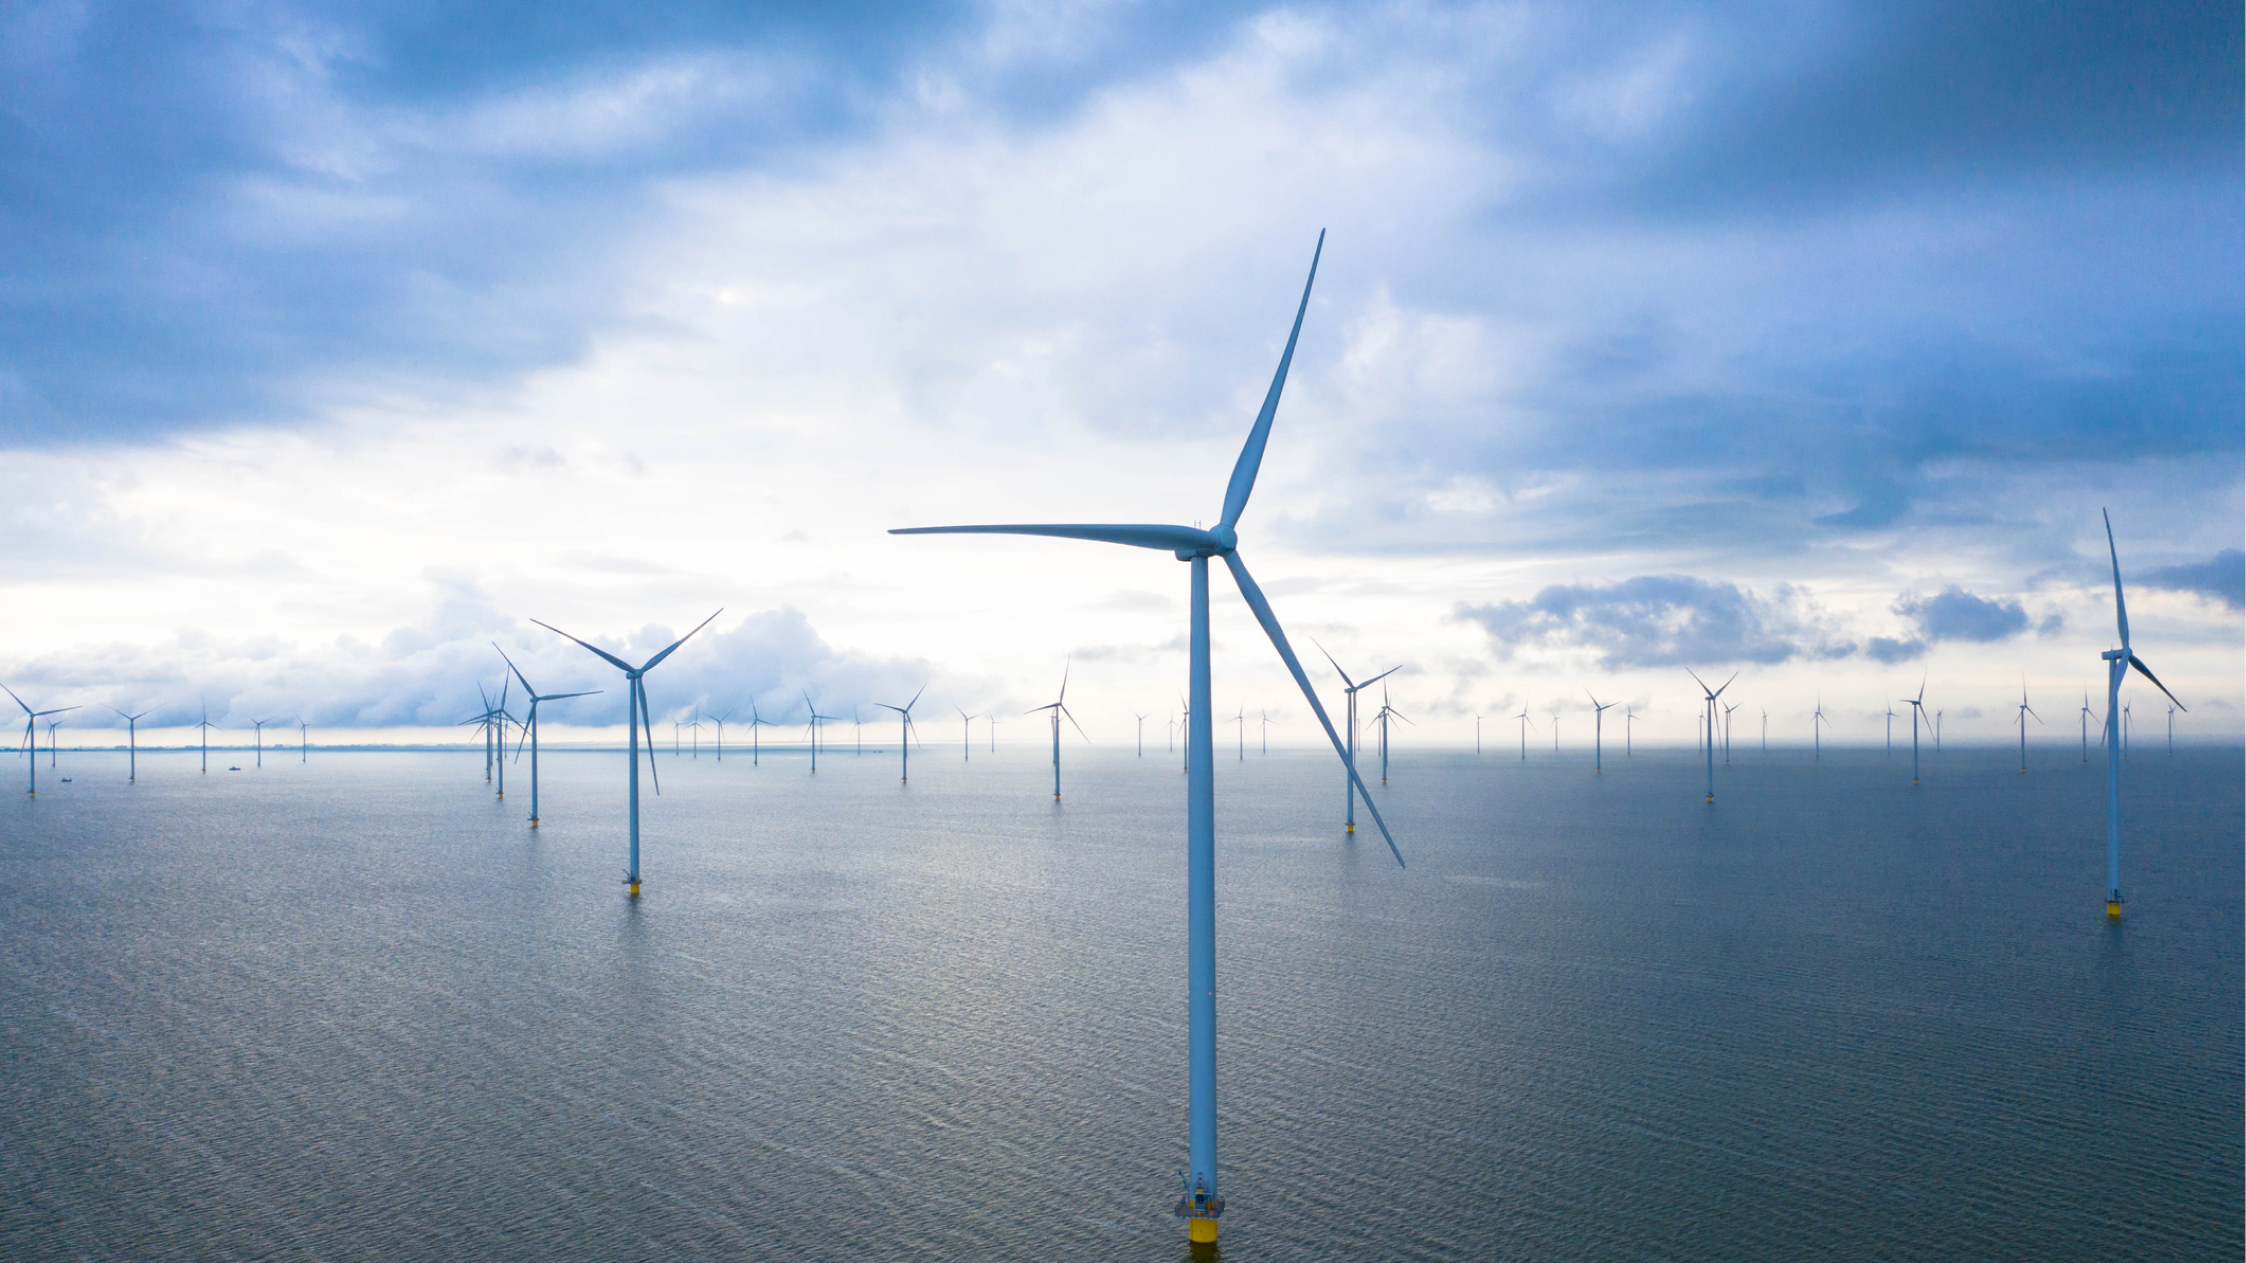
(632, 889)
(1201, 1231)
(534, 822)
(1349, 828)
(2113, 909)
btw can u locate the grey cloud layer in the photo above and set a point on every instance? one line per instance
(1659, 621)
(429, 675)
(2220, 578)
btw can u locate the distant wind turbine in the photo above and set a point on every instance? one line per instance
(1477, 732)
(1240, 735)
(635, 719)
(2118, 663)
(31, 735)
(2086, 713)
(1203, 1201)
(205, 728)
(1058, 706)
(904, 729)
(1384, 717)
(2025, 711)
(1526, 724)
(718, 722)
(1629, 717)
(756, 740)
(132, 747)
(1817, 723)
(966, 721)
(1765, 729)
(1710, 733)
(1349, 725)
(303, 740)
(812, 728)
(259, 724)
(530, 724)
(1891, 730)
(1599, 711)
(1727, 732)
(1918, 708)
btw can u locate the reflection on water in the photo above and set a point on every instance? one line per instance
(354, 1008)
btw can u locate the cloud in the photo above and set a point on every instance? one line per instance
(1957, 614)
(429, 674)
(2220, 578)
(1890, 651)
(1659, 621)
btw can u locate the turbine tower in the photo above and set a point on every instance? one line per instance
(1526, 724)
(31, 735)
(811, 728)
(1349, 725)
(205, 728)
(1386, 714)
(1817, 734)
(904, 739)
(2025, 711)
(1918, 708)
(1710, 734)
(1599, 711)
(635, 718)
(1203, 1201)
(1058, 706)
(530, 724)
(132, 747)
(966, 722)
(1727, 732)
(2118, 663)
(2086, 713)
(258, 724)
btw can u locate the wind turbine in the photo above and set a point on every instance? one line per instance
(966, 719)
(31, 735)
(1266, 715)
(52, 743)
(1918, 708)
(132, 747)
(1059, 705)
(530, 724)
(1477, 732)
(695, 726)
(1710, 707)
(904, 739)
(2086, 713)
(2025, 711)
(1526, 724)
(1816, 733)
(1937, 730)
(858, 729)
(2118, 663)
(303, 740)
(1891, 729)
(2127, 729)
(1765, 729)
(756, 742)
(1349, 755)
(635, 700)
(1240, 735)
(205, 728)
(1727, 732)
(1598, 731)
(718, 721)
(258, 724)
(1203, 1202)
(1555, 714)
(1629, 716)
(813, 726)
(2171, 731)
(1387, 713)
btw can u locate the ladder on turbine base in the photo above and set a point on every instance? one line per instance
(1199, 1203)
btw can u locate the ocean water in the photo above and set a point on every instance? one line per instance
(354, 1009)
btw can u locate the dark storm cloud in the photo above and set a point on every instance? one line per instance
(2219, 578)
(1658, 621)
(1956, 614)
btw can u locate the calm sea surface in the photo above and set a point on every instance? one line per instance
(354, 1009)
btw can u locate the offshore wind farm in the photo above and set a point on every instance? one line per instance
(1773, 378)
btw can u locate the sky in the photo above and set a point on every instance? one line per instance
(1802, 341)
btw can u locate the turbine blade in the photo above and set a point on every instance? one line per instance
(517, 670)
(915, 699)
(1166, 538)
(650, 665)
(603, 654)
(1336, 666)
(1382, 676)
(2146, 671)
(1079, 727)
(12, 693)
(651, 772)
(1251, 456)
(555, 697)
(2120, 610)
(1256, 602)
